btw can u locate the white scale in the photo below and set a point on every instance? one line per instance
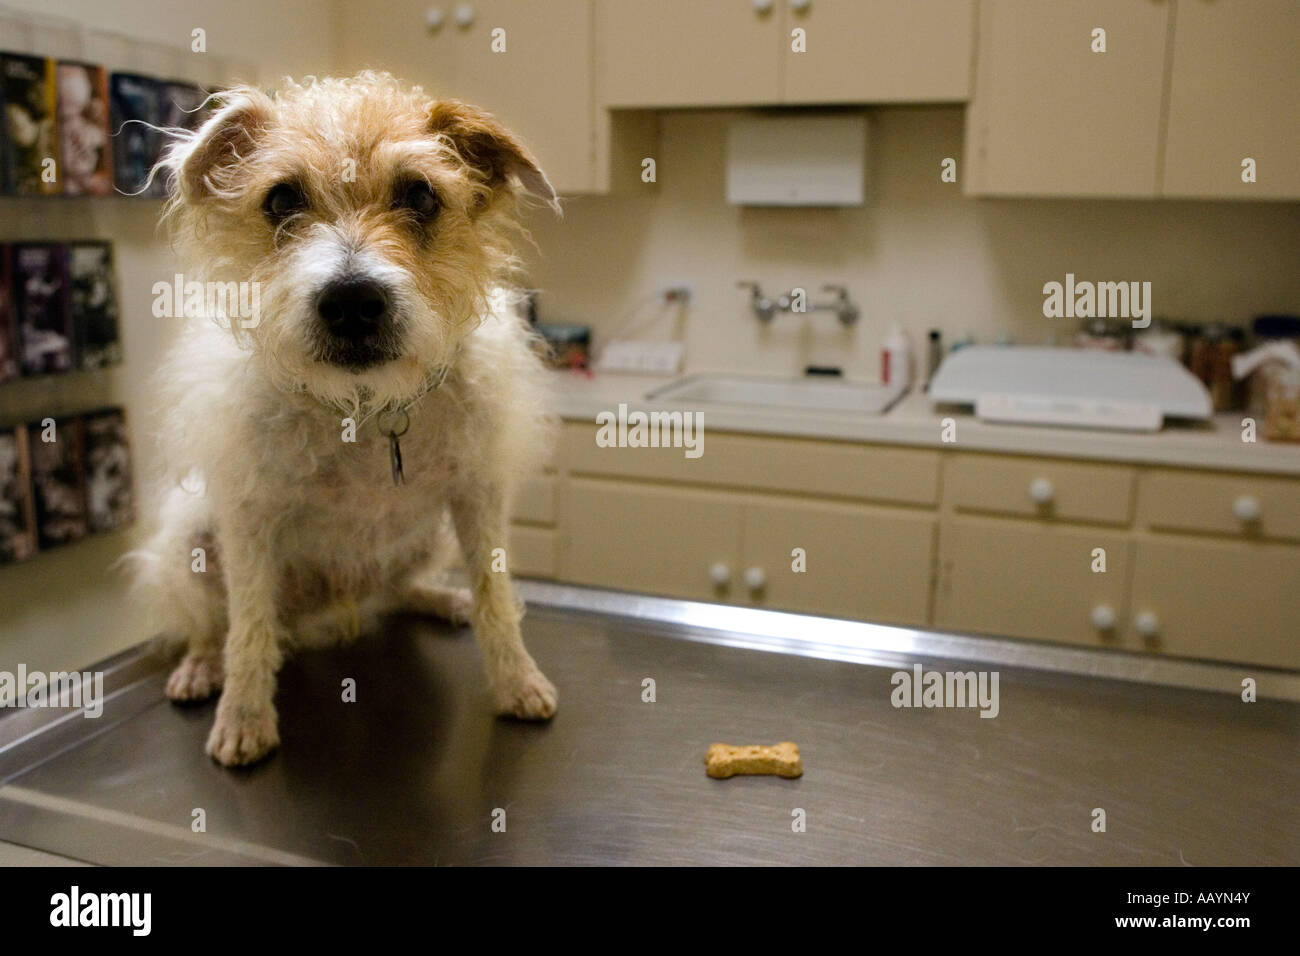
(1079, 388)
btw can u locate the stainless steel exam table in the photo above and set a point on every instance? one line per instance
(418, 770)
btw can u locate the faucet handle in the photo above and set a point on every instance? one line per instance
(842, 290)
(763, 307)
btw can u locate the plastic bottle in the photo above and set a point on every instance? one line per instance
(895, 358)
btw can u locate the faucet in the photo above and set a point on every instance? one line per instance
(766, 308)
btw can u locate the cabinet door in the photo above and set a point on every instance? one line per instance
(1049, 117)
(872, 564)
(880, 51)
(392, 35)
(540, 84)
(1233, 94)
(687, 53)
(1223, 600)
(1018, 579)
(659, 540)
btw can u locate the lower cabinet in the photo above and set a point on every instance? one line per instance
(659, 540)
(1222, 600)
(869, 563)
(859, 561)
(1032, 580)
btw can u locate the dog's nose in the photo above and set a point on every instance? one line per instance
(353, 308)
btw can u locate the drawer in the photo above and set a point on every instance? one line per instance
(1220, 503)
(801, 466)
(1031, 580)
(535, 501)
(1235, 601)
(1040, 488)
(532, 552)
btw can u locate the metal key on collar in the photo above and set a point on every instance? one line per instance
(394, 445)
(396, 432)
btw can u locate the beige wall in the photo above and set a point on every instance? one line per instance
(65, 608)
(918, 252)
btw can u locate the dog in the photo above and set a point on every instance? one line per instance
(322, 459)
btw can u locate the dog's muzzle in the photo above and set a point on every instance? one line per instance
(357, 322)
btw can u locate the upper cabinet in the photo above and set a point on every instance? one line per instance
(764, 52)
(687, 53)
(1135, 98)
(879, 51)
(529, 63)
(1234, 95)
(1049, 117)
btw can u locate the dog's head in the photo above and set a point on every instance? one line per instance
(373, 220)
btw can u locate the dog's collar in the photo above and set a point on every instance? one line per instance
(400, 420)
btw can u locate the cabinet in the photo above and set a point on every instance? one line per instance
(739, 52)
(858, 561)
(1032, 580)
(1221, 600)
(1232, 94)
(540, 85)
(879, 51)
(638, 537)
(873, 564)
(1049, 117)
(1185, 90)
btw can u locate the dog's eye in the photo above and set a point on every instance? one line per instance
(418, 197)
(283, 201)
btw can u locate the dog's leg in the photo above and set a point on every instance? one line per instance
(183, 593)
(451, 604)
(246, 727)
(518, 686)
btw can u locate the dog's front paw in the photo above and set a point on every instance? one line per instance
(242, 735)
(527, 695)
(196, 677)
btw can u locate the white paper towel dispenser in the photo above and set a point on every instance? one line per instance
(797, 161)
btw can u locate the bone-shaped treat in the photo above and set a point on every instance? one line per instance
(724, 760)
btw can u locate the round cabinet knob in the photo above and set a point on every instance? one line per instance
(755, 579)
(1147, 624)
(1246, 508)
(799, 6)
(720, 574)
(1041, 490)
(1103, 617)
(433, 18)
(762, 6)
(464, 15)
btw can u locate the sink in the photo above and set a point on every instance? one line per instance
(803, 394)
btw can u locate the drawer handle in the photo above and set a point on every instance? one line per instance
(755, 579)
(1246, 508)
(1103, 617)
(799, 6)
(720, 574)
(1147, 624)
(464, 15)
(762, 6)
(433, 18)
(1041, 490)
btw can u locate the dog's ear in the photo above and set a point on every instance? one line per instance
(202, 165)
(489, 147)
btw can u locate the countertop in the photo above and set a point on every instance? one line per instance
(1216, 444)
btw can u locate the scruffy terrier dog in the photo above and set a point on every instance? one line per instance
(322, 453)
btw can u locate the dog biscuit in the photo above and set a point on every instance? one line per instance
(725, 760)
